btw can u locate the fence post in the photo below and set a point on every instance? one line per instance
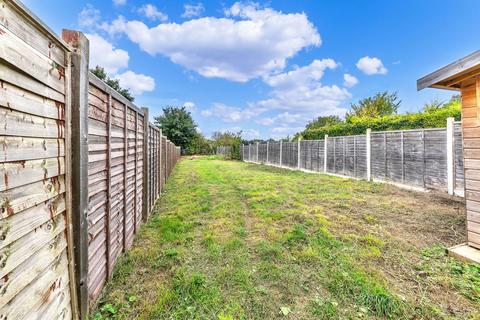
(385, 155)
(146, 178)
(450, 156)
(403, 157)
(334, 154)
(79, 163)
(257, 153)
(298, 153)
(325, 153)
(424, 159)
(267, 151)
(344, 155)
(369, 154)
(281, 153)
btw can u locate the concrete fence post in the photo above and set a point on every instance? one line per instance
(267, 150)
(450, 156)
(281, 147)
(79, 82)
(299, 157)
(369, 154)
(325, 153)
(146, 166)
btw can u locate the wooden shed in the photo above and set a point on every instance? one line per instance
(464, 76)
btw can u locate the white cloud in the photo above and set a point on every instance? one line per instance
(296, 97)
(301, 76)
(349, 80)
(189, 105)
(135, 82)
(371, 66)
(117, 26)
(230, 114)
(249, 43)
(300, 92)
(192, 11)
(152, 13)
(104, 54)
(282, 132)
(89, 16)
(250, 134)
(119, 2)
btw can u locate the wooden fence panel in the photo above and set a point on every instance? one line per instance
(49, 270)
(458, 157)
(410, 157)
(35, 233)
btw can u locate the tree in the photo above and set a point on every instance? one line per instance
(323, 122)
(114, 83)
(227, 138)
(433, 105)
(200, 145)
(178, 125)
(381, 104)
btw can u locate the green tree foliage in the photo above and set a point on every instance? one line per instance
(114, 83)
(200, 145)
(178, 125)
(381, 104)
(227, 138)
(323, 121)
(429, 118)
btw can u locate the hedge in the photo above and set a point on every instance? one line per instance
(356, 126)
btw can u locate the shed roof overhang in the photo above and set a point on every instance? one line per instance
(451, 76)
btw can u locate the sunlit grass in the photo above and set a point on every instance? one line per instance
(231, 240)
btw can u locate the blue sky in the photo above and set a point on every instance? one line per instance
(267, 68)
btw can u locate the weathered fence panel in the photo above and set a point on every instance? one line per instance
(82, 169)
(417, 158)
(36, 273)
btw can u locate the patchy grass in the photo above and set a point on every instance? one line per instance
(232, 240)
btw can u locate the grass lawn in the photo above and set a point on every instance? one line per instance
(231, 240)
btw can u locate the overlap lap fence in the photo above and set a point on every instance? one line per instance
(82, 168)
(421, 158)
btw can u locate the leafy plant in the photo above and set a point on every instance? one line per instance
(114, 83)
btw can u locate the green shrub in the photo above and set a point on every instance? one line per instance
(358, 125)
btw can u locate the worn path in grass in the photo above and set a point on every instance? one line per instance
(232, 240)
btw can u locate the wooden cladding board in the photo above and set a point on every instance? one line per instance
(471, 146)
(34, 262)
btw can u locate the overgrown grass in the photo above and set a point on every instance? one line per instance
(231, 240)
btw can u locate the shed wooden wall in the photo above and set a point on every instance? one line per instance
(471, 143)
(35, 274)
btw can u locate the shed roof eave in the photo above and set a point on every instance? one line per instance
(449, 72)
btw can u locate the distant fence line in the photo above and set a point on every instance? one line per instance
(81, 169)
(420, 158)
(224, 150)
